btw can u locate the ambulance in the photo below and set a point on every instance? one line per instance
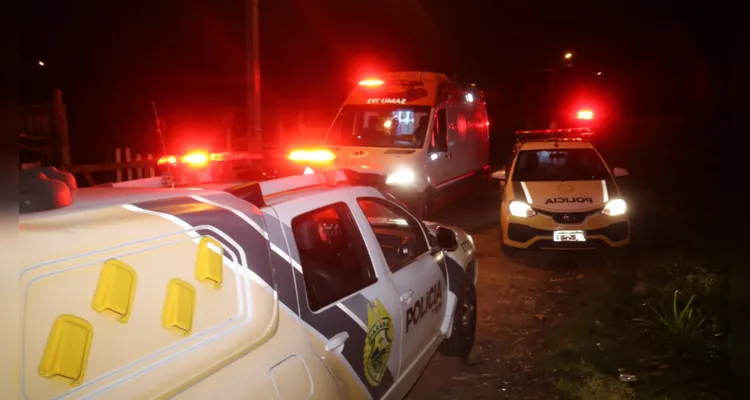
(426, 134)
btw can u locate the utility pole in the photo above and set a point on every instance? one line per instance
(252, 76)
(552, 102)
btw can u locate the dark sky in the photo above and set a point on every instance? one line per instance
(112, 58)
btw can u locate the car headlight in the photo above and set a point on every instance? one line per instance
(401, 177)
(520, 209)
(615, 207)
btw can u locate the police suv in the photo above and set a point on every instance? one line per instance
(559, 194)
(310, 286)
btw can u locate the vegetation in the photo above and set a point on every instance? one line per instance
(652, 324)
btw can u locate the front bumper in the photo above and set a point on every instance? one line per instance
(537, 232)
(407, 195)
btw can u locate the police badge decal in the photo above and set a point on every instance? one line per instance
(378, 342)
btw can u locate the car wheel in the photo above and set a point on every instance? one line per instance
(461, 341)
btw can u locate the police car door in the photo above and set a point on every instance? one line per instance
(415, 273)
(351, 311)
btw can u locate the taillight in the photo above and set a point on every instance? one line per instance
(320, 155)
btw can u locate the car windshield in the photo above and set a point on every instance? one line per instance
(559, 165)
(380, 126)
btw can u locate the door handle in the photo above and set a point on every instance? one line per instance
(337, 341)
(406, 295)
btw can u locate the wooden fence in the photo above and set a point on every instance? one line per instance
(127, 166)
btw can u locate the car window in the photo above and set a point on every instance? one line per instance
(559, 165)
(399, 235)
(332, 254)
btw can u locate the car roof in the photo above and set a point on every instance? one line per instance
(93, 198)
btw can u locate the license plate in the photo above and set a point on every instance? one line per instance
(569, 236)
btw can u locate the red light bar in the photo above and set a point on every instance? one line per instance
(312, 155)
(585, 114)
(553, 131)
(371, 82)
(167, 160)
(547, 134)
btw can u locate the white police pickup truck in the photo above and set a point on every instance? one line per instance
(310, 286)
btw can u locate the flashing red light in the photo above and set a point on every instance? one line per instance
(195, 158)
(316, 155)
(371, 82)
(167, 160)
(585, 114)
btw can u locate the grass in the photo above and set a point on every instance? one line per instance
(673, 339)
(682, 323)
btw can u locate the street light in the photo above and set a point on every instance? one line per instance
(568, 56)
(598, 73)
(41, 63)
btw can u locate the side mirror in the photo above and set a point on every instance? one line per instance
(446, 238)
(499, 175)
(620, 172)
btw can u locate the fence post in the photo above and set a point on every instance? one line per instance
(61, 126)
(139, 170)
(151, 171)
(118, 159)
(127, 160)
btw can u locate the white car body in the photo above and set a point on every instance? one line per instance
(150, 293)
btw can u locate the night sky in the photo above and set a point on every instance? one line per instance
(111, 59)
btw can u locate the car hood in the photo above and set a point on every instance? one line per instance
(565, 196)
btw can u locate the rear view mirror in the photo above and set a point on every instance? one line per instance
(446, 238)
(499, 175)
(620, 172)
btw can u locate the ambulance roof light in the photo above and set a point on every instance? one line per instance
(371, 82)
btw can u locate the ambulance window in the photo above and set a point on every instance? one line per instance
(333, 256)
(399, 235)
(440, 132)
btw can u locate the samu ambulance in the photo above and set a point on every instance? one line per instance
(559, 194)
(428, 135)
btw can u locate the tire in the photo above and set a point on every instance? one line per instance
(463, 333)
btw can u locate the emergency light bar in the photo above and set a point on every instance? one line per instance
(373, 83)
(554, 133)
(547, 134)
(256, 192)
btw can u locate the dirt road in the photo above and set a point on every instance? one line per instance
(515, 301)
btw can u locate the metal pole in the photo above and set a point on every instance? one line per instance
(551, 95)
(61, 126)
(252, 65)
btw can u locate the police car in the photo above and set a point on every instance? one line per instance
(559, 194)
(310, 286)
